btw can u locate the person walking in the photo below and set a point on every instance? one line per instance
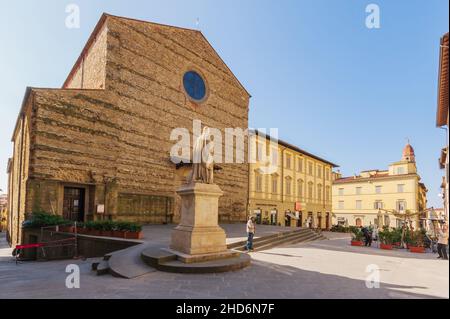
(442, 242)
(367, 236)
(250, 233)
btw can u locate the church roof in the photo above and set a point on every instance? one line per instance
(100, 25)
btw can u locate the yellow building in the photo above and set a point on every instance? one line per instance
(357, 200)
(296, 189)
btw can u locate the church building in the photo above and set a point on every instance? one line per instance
(99, 147)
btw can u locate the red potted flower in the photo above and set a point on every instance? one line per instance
(133, 231)
(416, 244)
(357, 237)
(385, 237)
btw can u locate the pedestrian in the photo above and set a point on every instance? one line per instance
(250, 233)
(442, 242)
(367, 236)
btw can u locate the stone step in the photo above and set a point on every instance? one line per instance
(291, 241)
(237, 245)
(169, 262)
(277, 240)
(288, 240)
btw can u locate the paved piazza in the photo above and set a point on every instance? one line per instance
(324, 269)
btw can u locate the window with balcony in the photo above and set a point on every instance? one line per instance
(401, 206)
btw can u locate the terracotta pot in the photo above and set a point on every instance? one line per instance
(118, 234)
(415, 249)
(81, 231)
(357, 243)
(95, 232)
(66, 229)
(397, 244)
(386, 246)
(133, 235)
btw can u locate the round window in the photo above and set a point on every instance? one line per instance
(194, 85)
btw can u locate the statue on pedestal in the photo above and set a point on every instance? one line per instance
(203, 159)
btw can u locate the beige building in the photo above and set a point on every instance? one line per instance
(358, 200)
(442, 115)
(99, 147)
(297, 188)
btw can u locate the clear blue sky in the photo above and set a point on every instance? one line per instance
(333, 87)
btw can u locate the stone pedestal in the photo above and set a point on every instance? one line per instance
(198, 237)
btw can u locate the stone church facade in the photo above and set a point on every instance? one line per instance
(99, 147)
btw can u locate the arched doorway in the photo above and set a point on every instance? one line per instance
(358, 222)
(327, 221)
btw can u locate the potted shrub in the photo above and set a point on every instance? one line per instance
(81, 228)
(106, 228)
(396, 237)
(134, 231)
(357, 237)
(118, 229)
(385, 237)
(417, 242)
(67, 228)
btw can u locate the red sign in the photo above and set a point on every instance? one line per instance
(298, 206)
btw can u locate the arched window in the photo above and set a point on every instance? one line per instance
(319, 192)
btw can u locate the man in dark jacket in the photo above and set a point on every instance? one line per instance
(367, 236)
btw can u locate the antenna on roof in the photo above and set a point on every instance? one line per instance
(197, 23)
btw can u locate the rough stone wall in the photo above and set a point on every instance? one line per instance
(145, 66)
(19, 173)
(90, 73)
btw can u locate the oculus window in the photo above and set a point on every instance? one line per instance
(194, 85)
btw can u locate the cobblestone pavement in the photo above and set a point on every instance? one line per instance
(323, 269)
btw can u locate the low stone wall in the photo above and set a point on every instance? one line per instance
(87, 246)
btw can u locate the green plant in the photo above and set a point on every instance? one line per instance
(417, 238)
(357, 234)
(396, 235)
(43, 219)
(385, 236)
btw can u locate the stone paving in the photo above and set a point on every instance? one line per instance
(322, 269)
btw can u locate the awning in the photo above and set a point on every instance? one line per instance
(292, 215)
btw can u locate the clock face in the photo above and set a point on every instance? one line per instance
(194, 86)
